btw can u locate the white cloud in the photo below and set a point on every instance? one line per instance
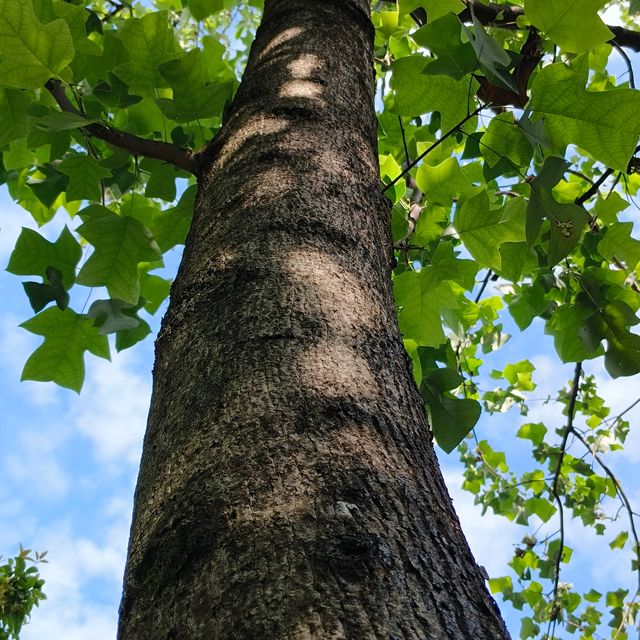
(34, 467)
(492, 538)
(78, 569)
(112, 408)
(71, 611)
(12, 219)
(16, 345)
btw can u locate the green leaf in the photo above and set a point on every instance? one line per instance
(451, 418)
(33, 255)
(201, 9)
(518, 374)
(41, 294)
(109, 316)
(196, 94)
(532, 431)
(149, 41)
(484, 230)
(574, 25)
(528, 628)
(14, 122)
(434, 8)
(567, 221)
(162, 180)
(417, 93)
(505, 139)
(47, 183)
(442, 38)
(60, 358)
(604, 123)
(622, 356)
(62, 121)
(620, 540)
(571, 334)
(128, 337)
(422, 296)
(154, 290)
(115, 93)
(121, 243)
(492, 58)
(30, 52)
(607, 209)
(170, 227)
(540, 507)
(84, 174)
(619, 244)
(526, 305)
(442, 183)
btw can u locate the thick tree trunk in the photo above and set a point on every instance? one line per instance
(289, 488)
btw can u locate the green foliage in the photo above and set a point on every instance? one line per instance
(20, 590)
(509, 156)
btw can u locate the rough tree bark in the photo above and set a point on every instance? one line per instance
(288, 487)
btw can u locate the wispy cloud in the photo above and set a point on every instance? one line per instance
(112, 409)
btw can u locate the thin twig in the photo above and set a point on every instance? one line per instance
(433, 146)
(627, 60)
(575, 386)
(621, 494)
(593, 189)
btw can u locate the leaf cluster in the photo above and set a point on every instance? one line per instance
(20, 591)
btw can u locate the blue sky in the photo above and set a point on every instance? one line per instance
(68, 465)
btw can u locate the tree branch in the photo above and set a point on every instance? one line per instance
(505, 16)
(181, 158)
(500, 15)
(568, 430)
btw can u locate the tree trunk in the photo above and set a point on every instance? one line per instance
(288, 487)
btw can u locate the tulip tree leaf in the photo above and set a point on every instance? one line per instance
(154, 290)
(149, 41)
(434, 8)
(201, 9)
(195, 93)
(483, 230)
(604, 123)
(60, 358)
(620, 245)
(109, 316)
(505, 139)
(444, 182)
(30, 52)
(567, 221)
(417, 93)
(450, 418)
(84, 177)
(421, 296)
(14, 122)
(574, 25)
(33, 255)
(492, 58)
(442, 38)
(121, 243)
(41, 294)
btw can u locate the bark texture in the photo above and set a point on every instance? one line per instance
(288, 487)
